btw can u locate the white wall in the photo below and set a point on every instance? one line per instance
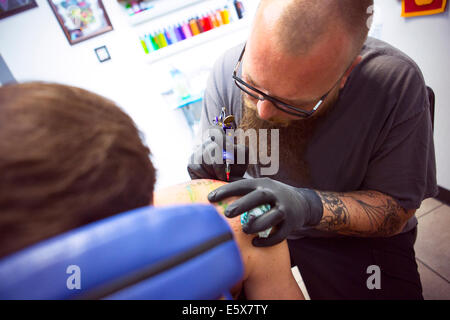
(426, 40)
(35, 48)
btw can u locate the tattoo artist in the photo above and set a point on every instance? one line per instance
(355, 144)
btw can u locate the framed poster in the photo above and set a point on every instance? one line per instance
(414, 8)
(11, 7)
(81, 19)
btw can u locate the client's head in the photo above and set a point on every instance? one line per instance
(68, 157)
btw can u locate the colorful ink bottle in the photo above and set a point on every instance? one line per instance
(239, 8)
(156, 41)
(153, 42)
(194, 27)
(187, 30)
(199, 24)
(207, 23)
(172, 34)
(167, 37)
(213, 18)
(135, 7)
(180, 33)
(144, 45)
(162, 39)
(129, 9)
(219, 19)
(149, 43)
(225, 14)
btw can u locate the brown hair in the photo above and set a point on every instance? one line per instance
(68, 157)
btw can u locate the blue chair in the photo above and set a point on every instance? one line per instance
(170, 253)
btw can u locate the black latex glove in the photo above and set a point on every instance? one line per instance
(292, 209)
(199, 168)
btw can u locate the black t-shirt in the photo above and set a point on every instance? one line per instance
(378, 136)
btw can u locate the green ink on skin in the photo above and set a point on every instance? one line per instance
(191, 193)
(223, 205)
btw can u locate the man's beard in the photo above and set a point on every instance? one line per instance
(294, 136)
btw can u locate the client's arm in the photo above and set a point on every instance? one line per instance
(267, 270)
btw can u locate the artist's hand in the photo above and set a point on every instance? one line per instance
(292, 208)
(207, 161)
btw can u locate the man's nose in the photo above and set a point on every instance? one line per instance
(266, 110)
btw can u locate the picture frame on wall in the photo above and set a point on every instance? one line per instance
(102, 54)
(11, 7)
(81, 19)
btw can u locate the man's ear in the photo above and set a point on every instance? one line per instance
(349, 71)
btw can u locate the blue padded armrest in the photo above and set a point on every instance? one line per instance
(179, 252)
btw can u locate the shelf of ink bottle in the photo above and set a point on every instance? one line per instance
(172, 39)
(141, 11)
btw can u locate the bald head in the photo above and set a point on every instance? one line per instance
(299, 50)
(298, 25)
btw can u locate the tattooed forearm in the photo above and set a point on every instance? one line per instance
(393, 218)
(339, 218)
(362, 213)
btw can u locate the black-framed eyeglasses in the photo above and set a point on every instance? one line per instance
(259, 95)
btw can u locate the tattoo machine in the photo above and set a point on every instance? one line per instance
(226, 122)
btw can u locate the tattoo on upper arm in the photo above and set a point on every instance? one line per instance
(383, 216)
(191, 188)
(201, 182)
